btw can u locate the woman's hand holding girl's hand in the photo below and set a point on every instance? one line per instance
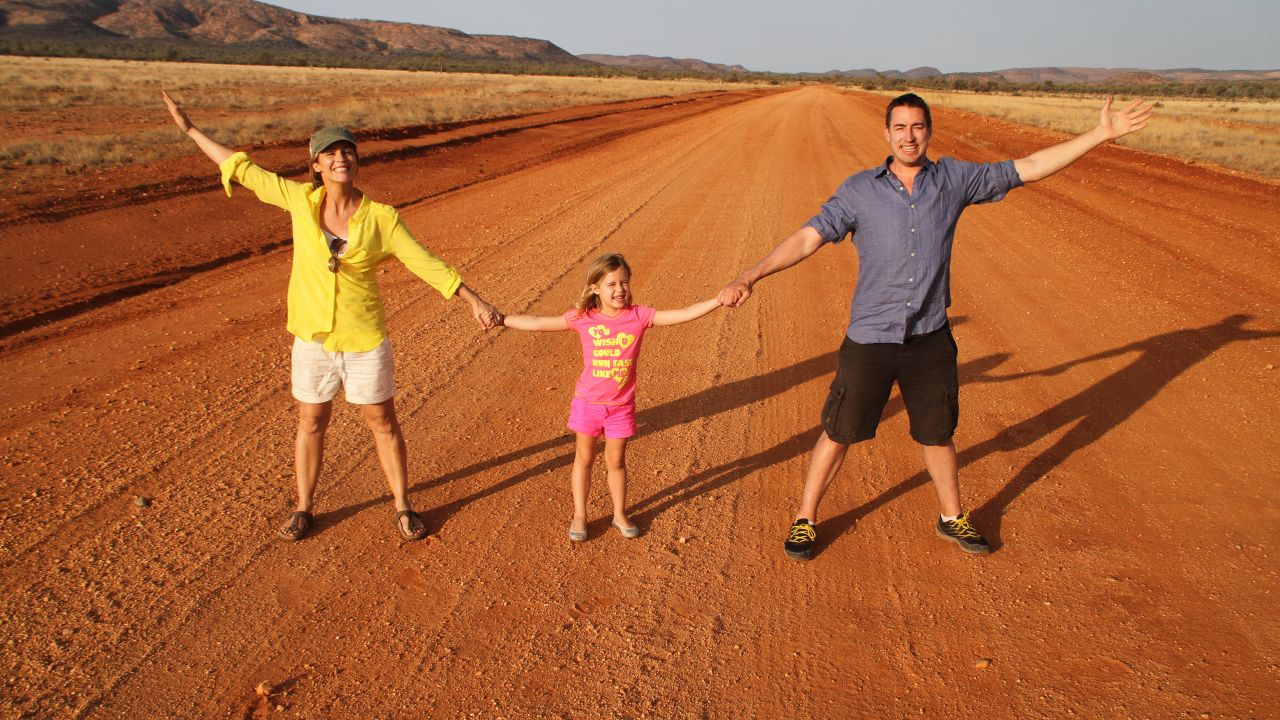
(486, 314)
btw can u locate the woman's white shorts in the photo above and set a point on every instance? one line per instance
(369, 377)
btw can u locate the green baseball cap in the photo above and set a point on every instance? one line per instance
(325, 137)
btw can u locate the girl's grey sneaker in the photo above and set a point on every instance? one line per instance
(628, 532)
(801, 539)
(962, 533)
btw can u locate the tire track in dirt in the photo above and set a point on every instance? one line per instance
(399, 143)
(582, 609)
(343, 473)
(560, 461)
(98, 277)
(1116, 433)
(339, 469)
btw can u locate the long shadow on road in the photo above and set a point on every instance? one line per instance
(1092, 413)
(706, 403)
(797, 444)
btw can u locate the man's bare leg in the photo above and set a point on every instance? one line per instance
(940, 461)
(824, 464)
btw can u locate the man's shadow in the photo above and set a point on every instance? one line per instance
(1092, 413)
(798, 444)
(705, 403)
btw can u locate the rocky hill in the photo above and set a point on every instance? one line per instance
(668, 64)
(249, 31)
(255, 24)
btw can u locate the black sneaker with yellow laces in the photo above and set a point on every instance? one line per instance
(801, 539)
(961, 532)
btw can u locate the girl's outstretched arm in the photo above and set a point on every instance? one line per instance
(693, 312)
(542, 323)
(217, 153)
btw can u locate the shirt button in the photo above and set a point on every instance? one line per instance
(900, 188)
(911, 279)
(913, 254)
(908, 303)
(913, 229)
(913, 205)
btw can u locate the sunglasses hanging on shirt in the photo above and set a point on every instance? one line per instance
(337, 246)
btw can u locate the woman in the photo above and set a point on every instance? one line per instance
(335, 309)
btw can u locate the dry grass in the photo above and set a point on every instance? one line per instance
(55, 111)
(1238, 134)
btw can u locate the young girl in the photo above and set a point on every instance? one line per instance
(604, 401)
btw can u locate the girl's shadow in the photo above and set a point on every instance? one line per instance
(706, 403)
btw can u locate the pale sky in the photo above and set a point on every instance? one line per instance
(821, 35)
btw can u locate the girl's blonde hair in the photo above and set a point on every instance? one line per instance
(600, 267)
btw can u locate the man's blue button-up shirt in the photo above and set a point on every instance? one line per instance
(904, 241)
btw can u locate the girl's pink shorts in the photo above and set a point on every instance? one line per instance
(616, 422)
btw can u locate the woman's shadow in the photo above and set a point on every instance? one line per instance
(1091, 413)
(705, 403)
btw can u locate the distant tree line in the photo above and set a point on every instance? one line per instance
(18, 43)
(169, 51)
(1225, 89)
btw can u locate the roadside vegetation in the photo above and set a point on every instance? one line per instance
(33, 43)
(985, 85)
(16, 42)
(1237, 134)
(62, 114)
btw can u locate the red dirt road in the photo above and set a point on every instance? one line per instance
(1119, 327)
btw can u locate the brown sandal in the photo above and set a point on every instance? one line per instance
(299, 525)
(417, 529)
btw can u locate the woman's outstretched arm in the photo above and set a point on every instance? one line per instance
(216, 152)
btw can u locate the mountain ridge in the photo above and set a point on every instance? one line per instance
(248, 24)
(255, 24)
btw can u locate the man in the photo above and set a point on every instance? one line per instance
(902, 216)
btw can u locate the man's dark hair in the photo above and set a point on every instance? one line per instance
(909, 100)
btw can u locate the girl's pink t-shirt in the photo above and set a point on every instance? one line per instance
(610, 351)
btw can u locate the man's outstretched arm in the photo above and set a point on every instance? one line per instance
(796, 247)
(1111, 125)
